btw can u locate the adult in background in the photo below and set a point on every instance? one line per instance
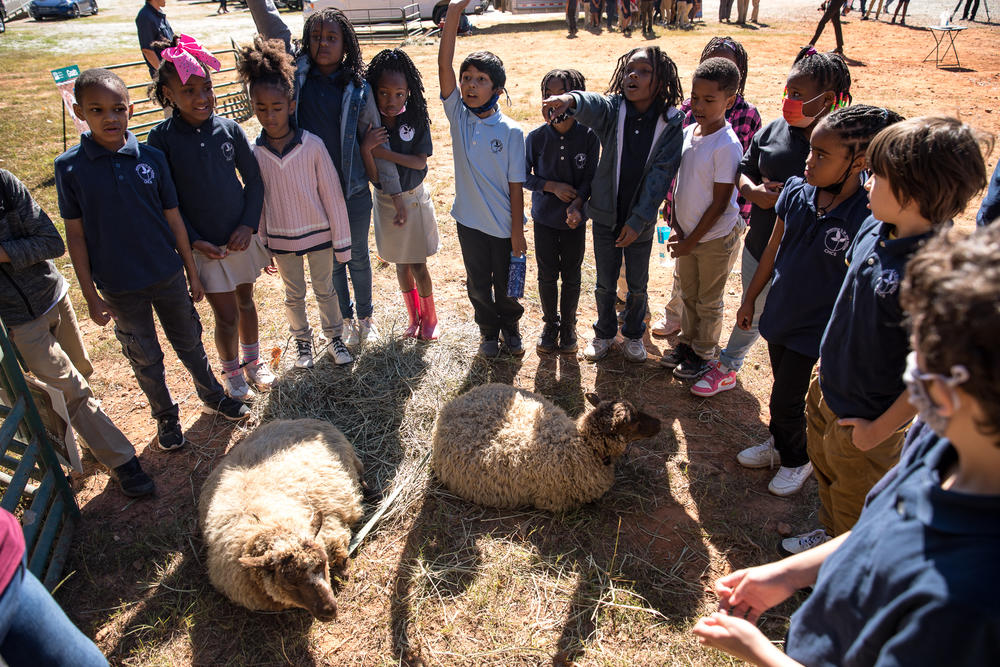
(572, 14)
(832, 13)
(725, 11)
(152, 25)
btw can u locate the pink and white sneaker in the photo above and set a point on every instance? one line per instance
(716, 380)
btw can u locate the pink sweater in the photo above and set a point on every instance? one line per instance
(303, 202)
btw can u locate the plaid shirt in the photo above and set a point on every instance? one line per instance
(745, 120)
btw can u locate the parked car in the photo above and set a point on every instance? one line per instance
(430, 10)
(40, 9)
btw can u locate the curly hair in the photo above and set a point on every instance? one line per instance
(952, 294)
(97, 77)
(667, 89)
(727, 47)
(571, 79)
(857, 125)
(397, 60)
(266, 63)
(352, 64)
(935, 161)
(166, 72)
(722, 71)
(828, 70)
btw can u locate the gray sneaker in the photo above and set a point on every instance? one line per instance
(634, 350)
(597, 348)
(339, 352)
(805, 541)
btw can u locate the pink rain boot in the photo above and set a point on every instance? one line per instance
(413, 310)
(428, 319)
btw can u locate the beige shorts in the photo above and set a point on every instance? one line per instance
(237, 268)
(413, 242)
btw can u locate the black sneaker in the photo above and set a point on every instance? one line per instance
(567, 338)
(228, 408)
(489, 348)
(169, 434)
(692, 368)
(132, 479)
(512, 341)
(548, 340)
(677, 355)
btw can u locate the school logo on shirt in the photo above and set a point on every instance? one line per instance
(406, 132)
(580, 160)
(228, 152)
(145, 172)
(837, 241)
(887, 283)
(497, 146)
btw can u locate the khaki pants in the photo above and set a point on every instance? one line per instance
(53, 351)
(291, 268)
(703, 276)
(845, 473)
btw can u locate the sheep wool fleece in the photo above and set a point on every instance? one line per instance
(285, 475)
(505, 447)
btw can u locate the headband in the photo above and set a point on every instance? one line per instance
(188, 57)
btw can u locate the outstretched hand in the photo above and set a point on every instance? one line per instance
(553, 107)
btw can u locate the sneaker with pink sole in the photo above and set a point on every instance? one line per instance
(715, 381)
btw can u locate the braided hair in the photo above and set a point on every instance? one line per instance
(857, 125)
(397, 60)
(166, 71)
(828, 70)
(352, 65)
(571, 79)
(727, 47)
(266, 63)
(667, 91)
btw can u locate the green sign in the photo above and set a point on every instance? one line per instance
(64, 74)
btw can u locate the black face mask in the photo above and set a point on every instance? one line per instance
(486, 107)
(836, 188)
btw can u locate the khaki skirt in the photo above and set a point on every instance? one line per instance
(237, 268)
(413, 242)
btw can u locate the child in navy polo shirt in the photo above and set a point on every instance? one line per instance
(126, 237)
(640, 131)
(817, 218)
(924, 171)
(911, 582)
(489, 177)
(561, 162)
(220, 209)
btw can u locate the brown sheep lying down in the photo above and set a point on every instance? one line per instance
(276, 514)
(505, 447)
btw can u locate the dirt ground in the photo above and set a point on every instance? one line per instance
(619, 582)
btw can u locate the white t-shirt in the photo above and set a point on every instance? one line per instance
(704, 162)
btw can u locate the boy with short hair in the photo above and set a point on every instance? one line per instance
(41, 322)
(910, 583)
(706, 217)
(489, 175)
(127, 239)
(924, 171)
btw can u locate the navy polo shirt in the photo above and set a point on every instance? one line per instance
(321, 102)
(912, 584)
(121, 198)
(565, 158)
(810, 266)
(410, 137)
(152, 26)
(864, 348)
(637, 140)
(204, 161)
(777, 152)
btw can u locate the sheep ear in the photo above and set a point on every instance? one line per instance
(264, 561)
(317, 523)
(593, 398)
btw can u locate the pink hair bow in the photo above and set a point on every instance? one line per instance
(187, 57)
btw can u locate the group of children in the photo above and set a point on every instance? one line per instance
(838, 198)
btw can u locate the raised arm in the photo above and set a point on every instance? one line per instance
(269, 23)
(446, 51)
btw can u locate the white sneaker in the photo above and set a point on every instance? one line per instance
(259, 375)
(763, 455)
(597, 348)
(664, 327)
(634, 350)
(236, 387)
(805, 541)
(339, 352)
(350, 335)
(367, 331)
(305, 358)
(790, 480)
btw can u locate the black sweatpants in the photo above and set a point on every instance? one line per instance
(487, 262)
(792, 372)
(559, 254)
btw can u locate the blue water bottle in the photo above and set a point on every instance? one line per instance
(516, 275)
(662, 236)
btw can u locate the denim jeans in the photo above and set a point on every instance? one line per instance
(741, 341)
(137, 334)
(35, 631)
(608, 259)
(559, 252)
(359, 213)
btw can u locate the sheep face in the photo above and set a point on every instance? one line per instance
(294, 571)
(612, 425)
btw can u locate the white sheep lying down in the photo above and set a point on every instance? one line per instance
(505, 447)
(277, 513)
